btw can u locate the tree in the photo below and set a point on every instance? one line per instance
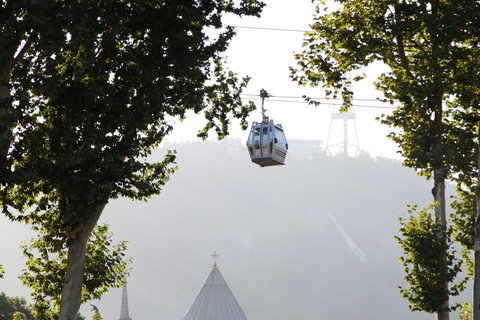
(105, 267)
(88, 89)
(17, 308)
(422, 246)
(427, 47)
(9, 307)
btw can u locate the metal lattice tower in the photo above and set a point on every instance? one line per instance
(124, 308)
(343, 146)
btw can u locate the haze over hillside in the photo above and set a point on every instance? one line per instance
(313, 239)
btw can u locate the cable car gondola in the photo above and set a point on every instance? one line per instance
(266, 143)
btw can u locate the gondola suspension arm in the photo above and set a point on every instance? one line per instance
(264, 94)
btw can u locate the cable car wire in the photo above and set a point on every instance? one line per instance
(268, 29)
(326, 102)
(330, 104)
(255, 96)
(316, 98)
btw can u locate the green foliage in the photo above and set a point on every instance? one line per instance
(2, 272)
(96, 314)
(98, 86)
(14, 308)
(465, 311)
(463, 223)
(463, 219)
(106, 267)
(423, 242)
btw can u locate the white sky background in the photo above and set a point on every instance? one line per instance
(266, 55)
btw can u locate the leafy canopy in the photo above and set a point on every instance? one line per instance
(14, 308)
(98, 89)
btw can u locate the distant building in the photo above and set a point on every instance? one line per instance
(215, 301)
(124, 308)
(300, 148)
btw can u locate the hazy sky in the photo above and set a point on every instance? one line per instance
(265, 55)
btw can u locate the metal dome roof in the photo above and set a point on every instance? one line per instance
(215, 301)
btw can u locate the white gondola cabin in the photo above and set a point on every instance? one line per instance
(266, 143)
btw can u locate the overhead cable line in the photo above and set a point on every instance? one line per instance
(313, 98)
(269, 29)
(328, 103)
(325, 102)
(316, 98)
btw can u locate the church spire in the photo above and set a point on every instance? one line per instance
(215, 300)
(124, 308)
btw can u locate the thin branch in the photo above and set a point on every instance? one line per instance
(22, 51)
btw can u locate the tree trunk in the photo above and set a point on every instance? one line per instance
(72, 286)
(5, 133)
(441, 218)
(4, 99)
(476, 272)
(439, 191)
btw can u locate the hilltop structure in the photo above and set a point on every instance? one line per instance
(215, 300)
(343, 147)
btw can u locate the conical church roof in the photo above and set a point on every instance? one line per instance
(215, 300)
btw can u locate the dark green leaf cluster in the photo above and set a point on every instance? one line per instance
(13, 308)
(99, 88)
(463, 223)
(423, 242)
(463, 219)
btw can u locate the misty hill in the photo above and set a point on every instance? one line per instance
(280, 249)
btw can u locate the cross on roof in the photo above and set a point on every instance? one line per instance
(214, 259)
